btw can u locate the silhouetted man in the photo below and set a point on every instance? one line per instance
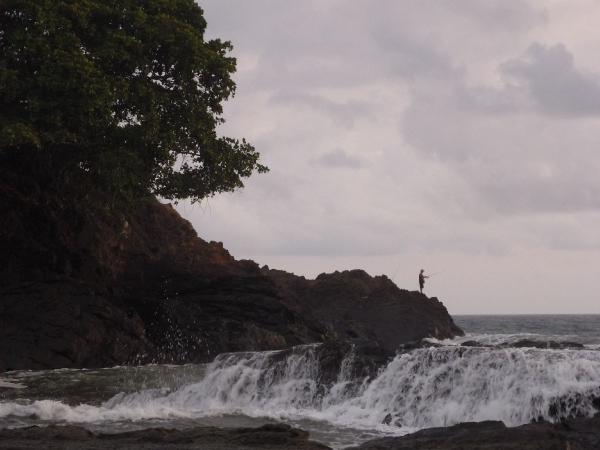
(422, 277)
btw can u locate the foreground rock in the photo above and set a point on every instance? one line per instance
(275, 436)
(91, 286)
(575, 434)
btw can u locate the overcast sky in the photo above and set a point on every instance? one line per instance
(462, 137)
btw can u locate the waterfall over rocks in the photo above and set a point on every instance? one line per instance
(426, 387)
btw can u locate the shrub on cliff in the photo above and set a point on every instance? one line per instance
(122, 96)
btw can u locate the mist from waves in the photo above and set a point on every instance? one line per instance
(427, 387)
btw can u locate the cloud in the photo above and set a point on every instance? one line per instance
(338, 158)
(423, 130)
(344, 113)
(514, 164)
(556, 85)
(516, 145)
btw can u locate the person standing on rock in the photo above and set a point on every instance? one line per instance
(422, 277)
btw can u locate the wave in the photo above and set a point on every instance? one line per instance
(9, 385)
(427, 387)
(508, 339)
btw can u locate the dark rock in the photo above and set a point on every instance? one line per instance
(61, 324)
(528, 343)
(523, 343)
(84, 285)
(356, 360)
(575, 434)
(413, 345)
(353, 305)
(270, 436)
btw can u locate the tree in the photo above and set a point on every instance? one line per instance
(121, 95)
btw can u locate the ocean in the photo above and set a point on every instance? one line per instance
(584, 329)
(510, 368)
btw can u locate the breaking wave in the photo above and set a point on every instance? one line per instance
(428, 387)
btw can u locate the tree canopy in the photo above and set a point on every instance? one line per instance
(123, 95)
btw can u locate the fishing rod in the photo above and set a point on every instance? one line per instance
(396, 271)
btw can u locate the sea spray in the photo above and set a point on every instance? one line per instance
(427, 387)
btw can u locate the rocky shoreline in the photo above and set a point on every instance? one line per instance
(574, 434)
(84, 287)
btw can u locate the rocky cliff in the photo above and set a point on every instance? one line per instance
(85, 286)
(355, 306)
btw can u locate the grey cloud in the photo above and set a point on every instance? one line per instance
(488, 100)
(554, 82)
(342, 112)
(338, 158)
(567, 232)
(544, 80)
(519, 191)
(517, 146)
(499, 15)
(333, 44)
(408, 55)
(514, 164)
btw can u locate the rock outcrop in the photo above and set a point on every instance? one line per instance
(83, 285)
(355, 306)
(575, 434)
(267, 437)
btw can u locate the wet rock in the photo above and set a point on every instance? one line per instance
(270, 436)
(351, 361)
(413, 345)
(570, 404)
(527, 343)
(524, 343)
(575, 434)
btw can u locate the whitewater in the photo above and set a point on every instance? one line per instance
(440, 384)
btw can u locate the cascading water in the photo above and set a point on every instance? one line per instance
(424, 388)
(443, 386)
(427, 387)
